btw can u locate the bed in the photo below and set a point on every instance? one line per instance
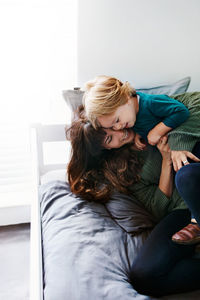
(79, 249)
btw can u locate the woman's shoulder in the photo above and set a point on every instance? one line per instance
(188, 98)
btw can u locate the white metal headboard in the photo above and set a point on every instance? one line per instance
(42, 134)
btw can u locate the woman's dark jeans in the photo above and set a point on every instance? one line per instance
(187, 182)
(162, 266)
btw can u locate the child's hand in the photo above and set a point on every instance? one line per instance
(138, 143)
(153, 137)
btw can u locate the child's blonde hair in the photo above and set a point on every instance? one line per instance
(103, 95)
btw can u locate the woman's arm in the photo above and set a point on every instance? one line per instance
(166, 175)
(179, 158)
(155, 188)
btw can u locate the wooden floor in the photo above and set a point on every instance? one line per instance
(14, 262)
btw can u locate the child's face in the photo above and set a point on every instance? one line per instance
(123, 117)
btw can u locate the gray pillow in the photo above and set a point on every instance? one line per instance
(178, 87)
(73, 98)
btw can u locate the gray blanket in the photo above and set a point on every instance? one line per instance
(88, 248)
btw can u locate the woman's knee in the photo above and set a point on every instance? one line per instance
(196, 150)
(181, 177)
(188, 177)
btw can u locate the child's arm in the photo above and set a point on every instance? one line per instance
(157, 132)
(172, 113)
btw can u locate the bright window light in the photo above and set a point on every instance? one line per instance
(38, 60)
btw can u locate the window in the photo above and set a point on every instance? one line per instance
(38, 59)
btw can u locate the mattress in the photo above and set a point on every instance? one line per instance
(88, 247)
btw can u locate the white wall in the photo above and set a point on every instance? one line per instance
(144, 42)
(37, 59)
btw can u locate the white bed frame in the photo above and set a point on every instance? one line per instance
(40, 134)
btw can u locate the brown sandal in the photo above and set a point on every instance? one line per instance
(189, 235)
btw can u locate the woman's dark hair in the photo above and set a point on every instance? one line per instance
(93, 171)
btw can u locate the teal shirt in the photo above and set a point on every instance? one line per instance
(154, 109)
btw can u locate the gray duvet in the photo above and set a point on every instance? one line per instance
(88, 248)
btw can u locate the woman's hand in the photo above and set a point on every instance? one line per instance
(164, 149)
(180, 158)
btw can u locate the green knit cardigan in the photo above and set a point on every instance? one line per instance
(147, 191)
(185, 136)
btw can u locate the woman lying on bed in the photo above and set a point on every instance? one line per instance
(97, 168)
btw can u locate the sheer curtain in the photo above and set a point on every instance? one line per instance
(38, 57)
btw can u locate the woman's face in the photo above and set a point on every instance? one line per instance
(118, 138)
